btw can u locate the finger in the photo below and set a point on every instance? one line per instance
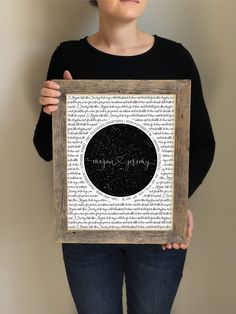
(189, 232)
(169, 246)
(190, 224)
(186, 243)
(183, 246)
(44, 101)
(51, 85)
(49, 109)
(175, 245)
(163, 246)
(46, 92)
(67, 75)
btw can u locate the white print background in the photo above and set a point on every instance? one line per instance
(89, 208)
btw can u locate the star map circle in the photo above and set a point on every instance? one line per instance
(120, 159)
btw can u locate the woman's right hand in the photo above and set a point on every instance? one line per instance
(49, 93)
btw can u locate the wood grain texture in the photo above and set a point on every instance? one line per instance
(182, 90)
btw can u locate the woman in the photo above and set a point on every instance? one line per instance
(120, 50)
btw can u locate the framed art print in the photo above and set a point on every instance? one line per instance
(120, 161)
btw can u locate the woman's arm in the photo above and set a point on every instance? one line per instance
(202, 142)
(43, 132)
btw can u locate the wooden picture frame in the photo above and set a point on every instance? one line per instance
(94, 104)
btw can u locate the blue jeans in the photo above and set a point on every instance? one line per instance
(95, 275)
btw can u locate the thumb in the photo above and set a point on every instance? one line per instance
(67, 75)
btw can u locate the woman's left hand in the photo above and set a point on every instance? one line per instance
(188, 232)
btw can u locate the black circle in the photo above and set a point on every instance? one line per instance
(120, 159)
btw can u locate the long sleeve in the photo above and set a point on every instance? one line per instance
(43, 132)
(202, 142)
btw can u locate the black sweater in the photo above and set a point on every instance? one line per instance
(165, 60)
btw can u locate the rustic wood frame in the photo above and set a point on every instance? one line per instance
(182, 90)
